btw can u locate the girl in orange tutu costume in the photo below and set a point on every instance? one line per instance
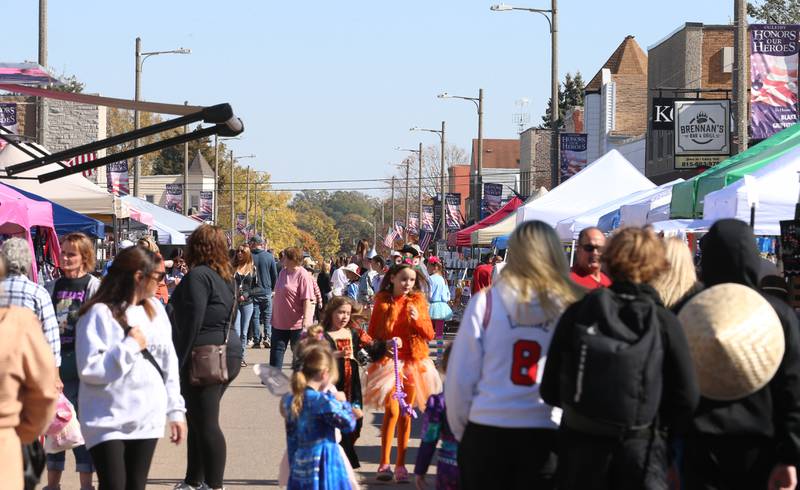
(400, 312)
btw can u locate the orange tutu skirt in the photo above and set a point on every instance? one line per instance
(379, 383)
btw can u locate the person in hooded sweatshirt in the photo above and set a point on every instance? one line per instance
(753, 442)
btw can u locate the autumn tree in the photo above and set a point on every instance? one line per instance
(775, 11)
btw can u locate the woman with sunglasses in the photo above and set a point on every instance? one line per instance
(246, 282)
(128, 369)
(588, 252)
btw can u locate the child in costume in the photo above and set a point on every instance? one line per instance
(400, 311)
(347, 339)
(312, 416)
(440, 310)
(435, 429)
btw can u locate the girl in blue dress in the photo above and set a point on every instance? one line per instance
(312, 416)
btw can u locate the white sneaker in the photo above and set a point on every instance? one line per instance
(185, 486)
(250, 343)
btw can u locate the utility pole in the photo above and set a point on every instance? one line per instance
(740, 84)
(233, 209)
(392, 223)
(186, 201)
(247, 201)
(479, 184)
(444, 193)
(216, 181)
(554, 110)
(419, 193)
(137, 94)
(405, 231)
(41, 109)
(383, 215)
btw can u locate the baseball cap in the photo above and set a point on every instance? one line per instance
(411, 249)
(256, 239)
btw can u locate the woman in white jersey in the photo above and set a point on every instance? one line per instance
(507, 433)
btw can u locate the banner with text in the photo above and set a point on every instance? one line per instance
(241, 219)
(702, 132)
(174, 198)
(453, 204)
(427, 218)
(8, 117)
(773, 78)
(206, 205)
(117, 178)
(492, 197)
(413, 222)
(573, 154)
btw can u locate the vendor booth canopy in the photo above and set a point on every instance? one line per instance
(504, 227)
(67, 220)
(687, 198)
(635, 212)
(773, 189)
(463, 238)
(74, 191)
(608, 178)
(172, 227)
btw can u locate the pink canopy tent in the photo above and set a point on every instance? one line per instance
(463, 238)
(18, 214)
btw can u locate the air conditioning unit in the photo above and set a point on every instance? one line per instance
(727, 59)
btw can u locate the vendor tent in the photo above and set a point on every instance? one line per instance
(67, 220)
(172, 227)
(687, 198)
(678, 227)
(635, 212)
(74, 191)
(463, 238)
(773, 188)
(607, 178)
(504, 227)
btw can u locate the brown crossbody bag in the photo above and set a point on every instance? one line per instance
(209, 363)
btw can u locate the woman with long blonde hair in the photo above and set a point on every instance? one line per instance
(496, 365)
(680, 280)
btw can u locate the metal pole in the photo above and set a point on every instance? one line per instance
(383, 215)
(136, 97)
(247, 201)
(444, 208)
(233, 209)
(186, 201)
(419, 193)
(740, 80)
(405, 233)
(41, 108)
(479, 183)
(554, 112)
(392, 223)
(216, 180)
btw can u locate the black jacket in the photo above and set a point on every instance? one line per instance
(679, 389)
(265, 268)
(245, 284)
(729, 254)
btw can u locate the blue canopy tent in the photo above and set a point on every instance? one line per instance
(67, 220)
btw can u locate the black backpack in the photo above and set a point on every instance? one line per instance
(611, 379)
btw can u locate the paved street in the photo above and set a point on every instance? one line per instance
(256, 441)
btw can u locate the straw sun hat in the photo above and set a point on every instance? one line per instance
(735, 340)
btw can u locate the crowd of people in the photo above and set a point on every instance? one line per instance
(627, 370)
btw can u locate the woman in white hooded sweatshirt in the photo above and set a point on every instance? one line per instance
(128, 372)
(506, 432)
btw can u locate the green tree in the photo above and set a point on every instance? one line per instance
(570, 94)
(775, 11)
(70, 84)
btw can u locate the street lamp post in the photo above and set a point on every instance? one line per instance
(216, 175)
(477, 179)
(419, 185)
(140, 58)
(443, 218)
(233, 205)
(552, 20)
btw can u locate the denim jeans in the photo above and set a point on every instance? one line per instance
(281, 339)
(243, 322)
(83, 461)
(262, 315)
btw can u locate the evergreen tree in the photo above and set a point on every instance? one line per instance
(775, 11)
(570, 94)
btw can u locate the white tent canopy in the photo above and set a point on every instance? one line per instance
(608, 178)
(73, 191)
(636, 213)
(172, 227)
(503, 227)
(773, 188)
(679, 227)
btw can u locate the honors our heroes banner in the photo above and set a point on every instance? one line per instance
(117, 178)
(453, 206)
(8, 116)
(413, 222)
(174, 198)
(492, 197)
(773, 78)
(206, 205)
(427, 218)
(241, 218)
(573, 154)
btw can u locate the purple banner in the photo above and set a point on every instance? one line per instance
(413, 223)
(492, 197)
(241, 220)
(573, 154)
(174, 198)
(427, 218)
(453, 204)
(117, 178)
(206, 205)
(773, 78)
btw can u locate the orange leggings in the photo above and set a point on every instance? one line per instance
(392, 419)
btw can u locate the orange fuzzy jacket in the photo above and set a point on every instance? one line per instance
(390, 318)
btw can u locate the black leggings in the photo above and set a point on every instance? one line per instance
(123, 465)
(205, 444)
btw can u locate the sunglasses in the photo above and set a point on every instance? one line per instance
(591, 248)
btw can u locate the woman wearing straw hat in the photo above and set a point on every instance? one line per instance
(746, 352)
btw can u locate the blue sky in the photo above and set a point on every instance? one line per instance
(328, 89)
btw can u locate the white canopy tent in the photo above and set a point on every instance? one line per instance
(73, 191)
(609, 177)
(679, 227)
(485, 236)
(636, 213)
(172, 227)
(774, 190)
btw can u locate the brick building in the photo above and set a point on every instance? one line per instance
(534, 160)
(694, 57)
(458, 177)
(501, 158)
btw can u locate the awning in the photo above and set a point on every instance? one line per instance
(463, 238)
(170, 225)
(67, 220)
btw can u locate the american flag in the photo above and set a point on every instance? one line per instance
(425, 238)
(779, 87)
(390, 237)
(87, 157)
